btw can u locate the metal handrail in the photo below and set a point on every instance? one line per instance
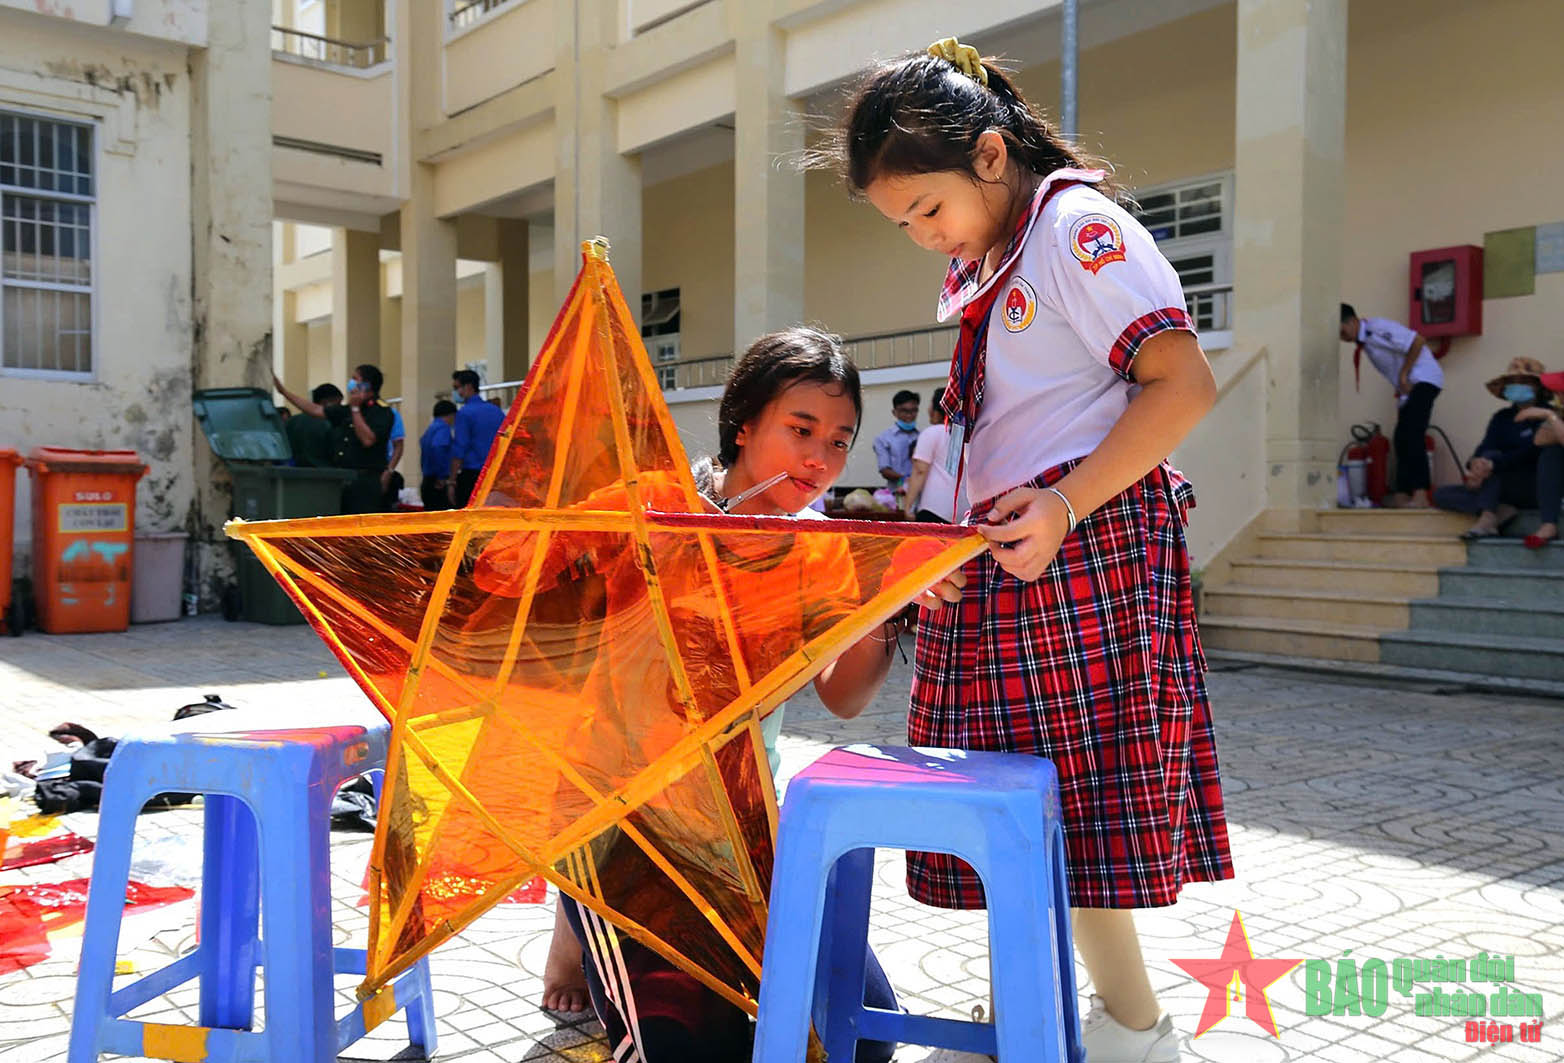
(1211, 305)
(328, 51)
(465, 14)
(879, 350)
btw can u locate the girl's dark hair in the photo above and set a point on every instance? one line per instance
(773, 363)
(919, 114)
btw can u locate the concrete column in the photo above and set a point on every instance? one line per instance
(231, 202)
(1288, 173)
(291, 345)
(768, 200)
(428, 309)
(597, 191)
(494, 321)
(355, 301)
(510, 344)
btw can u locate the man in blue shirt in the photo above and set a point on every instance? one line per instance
(434, 455)
(391, 481)
(477, 423)
(893, 447)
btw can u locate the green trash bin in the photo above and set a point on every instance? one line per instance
(246, 432)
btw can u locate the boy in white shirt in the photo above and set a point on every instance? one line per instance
(1403, 358)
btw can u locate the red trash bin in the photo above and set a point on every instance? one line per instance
(84, 526)
(10, 612)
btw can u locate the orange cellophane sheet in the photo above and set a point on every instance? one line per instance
(576, 665)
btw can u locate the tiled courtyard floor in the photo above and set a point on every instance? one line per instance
(1385, 821)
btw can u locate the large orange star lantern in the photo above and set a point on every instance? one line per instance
(577, 665)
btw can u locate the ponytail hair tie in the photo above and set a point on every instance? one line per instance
(963, 57)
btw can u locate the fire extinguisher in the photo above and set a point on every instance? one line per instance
(1371, 448)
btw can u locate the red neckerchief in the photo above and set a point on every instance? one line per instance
(963, 291)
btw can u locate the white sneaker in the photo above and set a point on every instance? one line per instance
(1109, 1041)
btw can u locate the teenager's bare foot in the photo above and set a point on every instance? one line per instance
(1419, 500)
(564, 986)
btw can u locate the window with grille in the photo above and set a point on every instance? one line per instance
(47, 193)
(1192, 224)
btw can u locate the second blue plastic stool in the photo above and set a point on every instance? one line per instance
(265, 899)
(997, 811)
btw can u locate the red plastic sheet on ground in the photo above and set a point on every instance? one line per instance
(577, 664)
(29, 914)
(44, 851)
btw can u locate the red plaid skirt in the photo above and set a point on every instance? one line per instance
(1097, 666)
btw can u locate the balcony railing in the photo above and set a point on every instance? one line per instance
(1211, 306)
(882, 350)
(465, 12)
(328, 52)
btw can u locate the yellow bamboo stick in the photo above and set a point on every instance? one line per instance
(426, 632)
(788, 676)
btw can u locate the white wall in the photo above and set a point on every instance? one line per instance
(137, 95)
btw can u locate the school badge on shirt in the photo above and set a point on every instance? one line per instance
(1019, 306)
(1096, 240)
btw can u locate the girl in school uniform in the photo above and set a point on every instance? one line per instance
(1076, 373)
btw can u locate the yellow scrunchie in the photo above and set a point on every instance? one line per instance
(963, 57)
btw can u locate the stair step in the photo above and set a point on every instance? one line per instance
(1484, 616)
(1391, 522)
(1300, 638)
(1368, 610)
(1510, 655)
(1364, 549)
(1431, 679)
(1540, 588)
(1406, 580)
(1512, 554)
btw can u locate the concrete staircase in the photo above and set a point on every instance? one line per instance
(1393, 593)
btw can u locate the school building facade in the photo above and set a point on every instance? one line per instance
(311, 184)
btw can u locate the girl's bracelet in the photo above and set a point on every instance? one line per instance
(1069, 510)
(893, 631)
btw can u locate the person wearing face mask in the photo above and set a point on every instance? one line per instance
(362, 429)
(893, 447)
(1509, 471)
(1403, 358)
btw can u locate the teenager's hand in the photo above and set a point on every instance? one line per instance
(1477, 470)
(946, 590)
(1533, 413)
(1024, 531)
(908, 556)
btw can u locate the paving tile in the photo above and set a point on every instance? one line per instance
(1362, 818)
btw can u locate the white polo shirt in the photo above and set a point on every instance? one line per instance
(1091, 287)
(1386, 343)
(939, 490)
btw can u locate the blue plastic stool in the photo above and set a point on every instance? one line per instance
(266, 867)
(997, 811)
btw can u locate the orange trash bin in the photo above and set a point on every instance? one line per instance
(10, 612)
(84, 526)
